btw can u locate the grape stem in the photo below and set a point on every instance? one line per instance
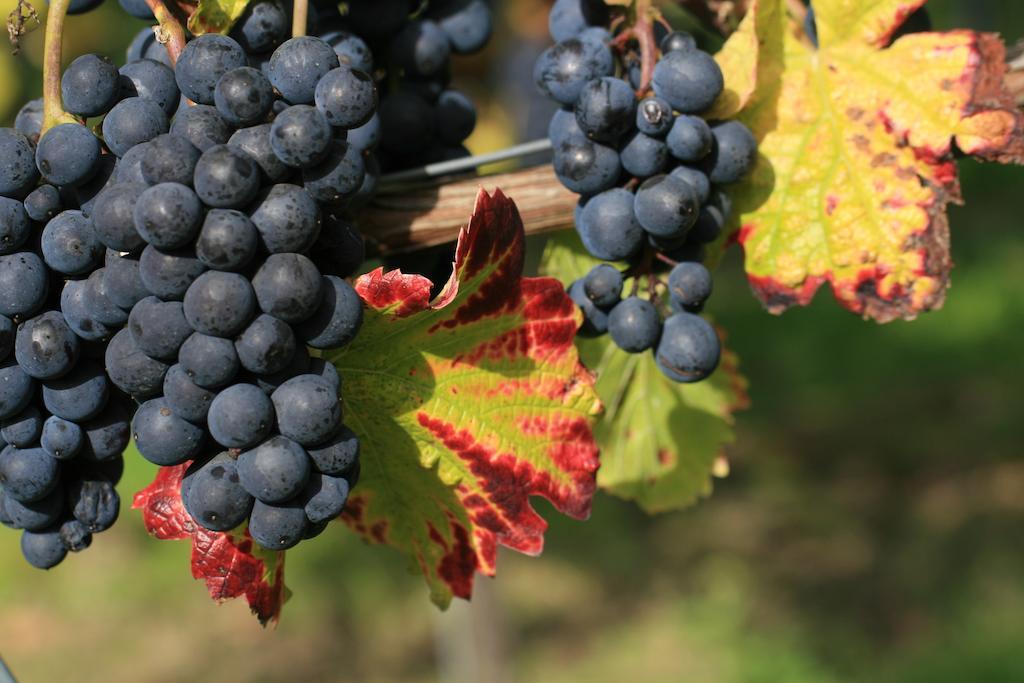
(643, 30)
(53, 108)
(665, 259)
(300, 17)
(169, 33)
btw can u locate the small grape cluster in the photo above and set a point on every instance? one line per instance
(650, 172)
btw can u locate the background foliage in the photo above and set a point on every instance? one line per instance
(869, 530)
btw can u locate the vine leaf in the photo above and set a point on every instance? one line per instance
(660, 441)
(856, 165)
(466, 406)
(230, 563)
(215, 16)
(749, 57)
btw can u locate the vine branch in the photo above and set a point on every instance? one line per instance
(170, 31)
(53, 108)
(300, 17)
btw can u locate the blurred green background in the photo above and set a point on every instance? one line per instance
(871, 529)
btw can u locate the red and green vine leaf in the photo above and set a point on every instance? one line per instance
(856, 156)
(661, 442)
(466, 406)
(214, 16)
(230, 563)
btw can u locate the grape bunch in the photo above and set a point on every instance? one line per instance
(650, 173)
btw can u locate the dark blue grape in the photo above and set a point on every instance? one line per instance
(338, 177)
(227, 241)
(122, 282)
(132, 121)
(24, 283)
(79, 395)
(262, 27)
(734, 152)
(586, 167)
(689, 80)
(338, 318)
(151, 80)
(241, 416)
(324, 497)
(112, 217)
(170, 158)
(298, 65)
(184, 397)
(43, 549)
(654, 116)
(678, 41)
(689, 284)
(7, 333)
(70, 245)
(563, 69)
(456, 117)
(68, 154)
(605, 109)
(210, 362)
(288, 287)
(94, 503)
(215, 497)
(28, 474)
(129, 167)
(37, 515)
(203, 61)
(690, 138)
(45, 346)
(201, 125)
(308, 410)
(76, 314)
(634, 324)
(708, 227)
(18, 172)
(168, 275)
(168, 215)
(131, 370)
(696, 179)
(29, 120)
(159, 328)
(43, 203)
(22, 430)
(226, 178)
(266, 346)
(299, 364)
(243, 96)
(366, 136)
(145, 46)
(347, 97)
(300, 136)
(568, 18)
(97, 305)
(287, 218)
(603, 285)
(255, 142)
(469, 28)
(595, 320)
(61, 438)
(75, 536)
(563, 127)
(339, 456)
(608, 226)
(421, 48)
(643, 156)
(689, 348)
(106, 437)
(275, 471)
(352, 50)
(14, 224)
(89, 86)
(162, 437)
(277, 527)
(326, 370)
(220, 304)
(666, 206)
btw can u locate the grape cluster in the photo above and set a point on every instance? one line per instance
(649, 170)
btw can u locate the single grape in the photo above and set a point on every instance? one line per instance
(696, 179)
(689, 284)
(287, 219)
(43, 203)
(689, 80)
(595, 320)
(734, 152)
(45, 346)
(145, 46)
(277, 527)
(76, 314)
(184, 397)
(43, 549)
(97, 306)
(7, 334)
(14, 225)
(18, 172)
(266, 346)
(219, 304)
(159, 328)
(690, 139)
(69, 244)
(421, 48)
(162, 437)
(79, 395)
(263, 26)
(563, 69)
(275, 471)
(339, 456)
(308, 410)
(226, 178)
(299, 364)
(298, 65)
(201, 125)
(168, 275)
(24, 283)
(168, 215)
(255, 142)
(28, 474)
(132, 121)
(689, 348)
(634, 324)
(603, 285)
(352, 50)
(708, 227)
(300, 136)
(68, 154)
(563, 127)
(170, 158)
(608, 226)
(89, 86)
(324, 497)
(112, 217)
(215, 497)
(227, 241)
(243, 96)
(203, 61)
(61, 438)
(288, 286)
(347, 97)
(131, 370)
(338, 177)
(326, 370)
(129, 167)
(605, 109)
(666, 206)
(24, 429)
(469, 28)
(337, 320)
(75, 536)
(586, 167)
(643, 156)
(122, 282)
(678, 41)
(106, 437)
(151, 80)
(654, 116)
(210, 362)
(94, 503)
(367, 136)
(29, 120)
(241, 416)
(568, 18)
(37, 515)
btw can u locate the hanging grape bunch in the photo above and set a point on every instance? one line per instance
(650, 172)
(165, 272)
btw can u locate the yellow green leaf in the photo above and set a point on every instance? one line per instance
(215, 16)
(752, 54)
